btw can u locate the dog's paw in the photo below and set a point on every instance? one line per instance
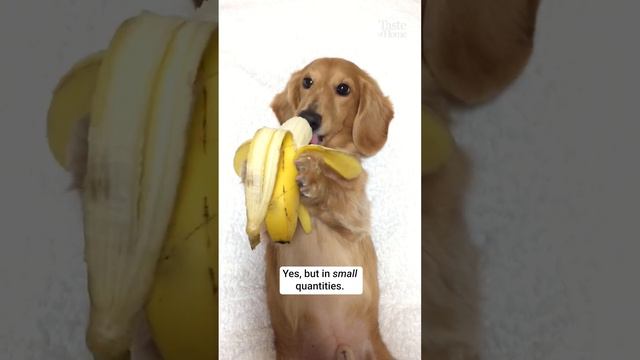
(310, 176)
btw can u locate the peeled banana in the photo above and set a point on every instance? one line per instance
(267, 163)
(150, 193)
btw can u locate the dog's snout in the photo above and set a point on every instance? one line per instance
(313, 118)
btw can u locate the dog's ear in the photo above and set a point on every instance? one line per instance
(285, 103)
(372, 120)
(474, 48)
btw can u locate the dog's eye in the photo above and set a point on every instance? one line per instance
(343, 89)
(307, 82)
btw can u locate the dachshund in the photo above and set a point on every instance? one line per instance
(346, 110)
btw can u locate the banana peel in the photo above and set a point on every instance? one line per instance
(261, 173)
(121, 211)
(272, 196)
(240, 157)
(171, 128)
(183, 304)
(71, 102)
(280, 220)
(437, 142)
(343, 163)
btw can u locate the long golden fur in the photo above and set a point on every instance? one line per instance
(331, 327)
(472, 49)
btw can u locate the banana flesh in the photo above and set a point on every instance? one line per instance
(299, 127)
(272, 196)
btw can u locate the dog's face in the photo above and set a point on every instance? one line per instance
(343, 105)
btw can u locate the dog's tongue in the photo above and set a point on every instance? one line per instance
(315, 139)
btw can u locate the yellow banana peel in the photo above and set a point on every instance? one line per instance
(183, 304)
(272, 196)
(437, 143)
(71, 102)
(150, 198)
(282, 215)
(345, 164)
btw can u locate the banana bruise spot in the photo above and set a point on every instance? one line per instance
(206, 208)
(198, 227)
(214, 282)
(78, 153)
(207, 216)
(98, 186)
(204, 121)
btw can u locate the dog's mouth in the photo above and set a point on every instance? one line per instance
(316, 139)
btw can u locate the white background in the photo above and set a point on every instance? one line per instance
(261, 44)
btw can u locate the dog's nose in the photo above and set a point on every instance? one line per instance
(313, 118)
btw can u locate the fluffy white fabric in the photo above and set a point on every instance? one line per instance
(554, 200)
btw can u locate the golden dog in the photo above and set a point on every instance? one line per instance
(346, 110)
